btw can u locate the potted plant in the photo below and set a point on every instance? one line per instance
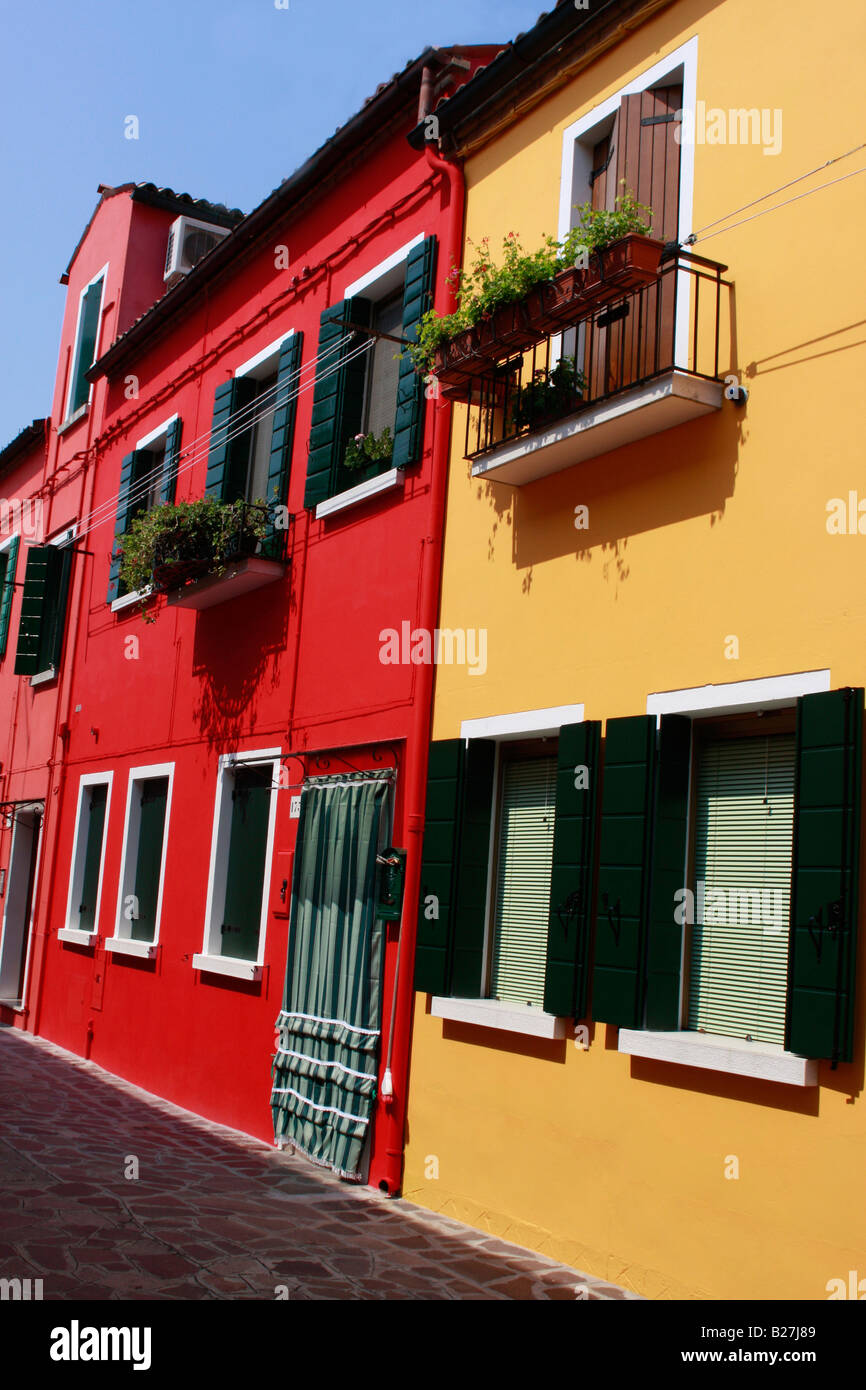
(552, 392)
(176, 542)
(367, 453)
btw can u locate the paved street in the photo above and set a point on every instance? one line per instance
(213, 1213)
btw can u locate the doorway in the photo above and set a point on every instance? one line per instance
(18, 903)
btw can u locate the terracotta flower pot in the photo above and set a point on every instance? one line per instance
(627, 264)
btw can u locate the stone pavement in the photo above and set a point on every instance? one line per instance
(214, 1214)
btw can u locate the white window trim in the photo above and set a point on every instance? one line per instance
(537, 722)
(354, 496)
(501, 1014)
(76, 868)
(127, 600)
(209, 958)
(4, 545)
(379, 272)
(121, 940)
(151, 438)
(712, 1052)
(50, 672)
(686, 57)
(82, 410)
(260, 358)
(736, 697)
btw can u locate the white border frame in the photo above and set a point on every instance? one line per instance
(76, 866)
(122, 940)
(155, 434)
(208, 958)
(739, 697)
(380, 271)
(272, 350)
(686, 57)
(82, 410)
(21, 1007)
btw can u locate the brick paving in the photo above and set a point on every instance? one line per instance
(214, 1214)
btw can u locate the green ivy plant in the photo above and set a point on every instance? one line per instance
(207, 529)
(482, 286)
(551, 392)
(365, 449)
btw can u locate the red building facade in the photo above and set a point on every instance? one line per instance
(200, 736)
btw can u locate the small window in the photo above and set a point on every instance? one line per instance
(743, 845)
(141, 872)
(251, 460)
(243, 834)
(85, 886)
(147, 482)
(86, 341)
(43, 609)
(383, 368)
(522, 875)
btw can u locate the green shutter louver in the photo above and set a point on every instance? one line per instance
(825, 879)
(338, 398)
(571, 884)
(524, 860)
(417, 299)
(170, 462)
(623, 871)
(148, 861)
(125, 512)
(744, 812)
(451, 909)
(88, 332)
(42, 578)
(283, 432)
(669, 849)
(226, 434)
(10, 558)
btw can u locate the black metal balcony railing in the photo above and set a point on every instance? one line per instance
(675, 322)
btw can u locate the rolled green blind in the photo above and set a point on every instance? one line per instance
(743, 849)
(523, 873)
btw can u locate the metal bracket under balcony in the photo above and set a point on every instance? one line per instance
(650, 361)
(239, 577)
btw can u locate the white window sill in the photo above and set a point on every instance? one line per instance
(73, 419)
(763, 1061)
(354, 495)
(125, 946)
(224, 965)
(139, 595)
(43, 677)
(495, 1013)
(78, 938)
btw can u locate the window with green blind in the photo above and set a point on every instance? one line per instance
(152, 797)
(744, 825)
(524, 861)
(92, 828)
(87, 335)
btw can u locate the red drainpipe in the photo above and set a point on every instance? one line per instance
(386, 1164)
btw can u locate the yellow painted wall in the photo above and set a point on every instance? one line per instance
(718, 528)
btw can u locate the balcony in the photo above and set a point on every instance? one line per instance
(643, 362)
(202, 578)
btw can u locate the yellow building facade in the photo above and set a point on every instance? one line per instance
(666, 550)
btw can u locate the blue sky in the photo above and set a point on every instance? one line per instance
(231, 96)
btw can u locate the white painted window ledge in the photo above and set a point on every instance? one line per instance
(43, 677)
(224, 965)
(495, 1013)
(78, 938)
(763, 1061)
(127, 600)
(353, 496)
(125, 946)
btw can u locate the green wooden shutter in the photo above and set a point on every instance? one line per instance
(148, 864)
(283, 433)
(170, 462)
(88, 331)
(10, 558)
(338, 399)
(125, 509)
(229, 398)
(825, 880)
(56, 612)
(245, 874)
(623, 872)
(524, 860)
(669, 848)
(95, 802)
(417, 298)
(450, 945)
(571, 884)
(41, 581)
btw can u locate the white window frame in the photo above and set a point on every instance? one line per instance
(127, 600)
(261, 363)
(28, 926)
(122, 940)
(575, 156)
(763, 1061)
(76, 868)
(76, 346)
(496, 1013)
(50, 673)
(209, 958)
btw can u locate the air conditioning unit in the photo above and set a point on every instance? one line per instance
(188, 241)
